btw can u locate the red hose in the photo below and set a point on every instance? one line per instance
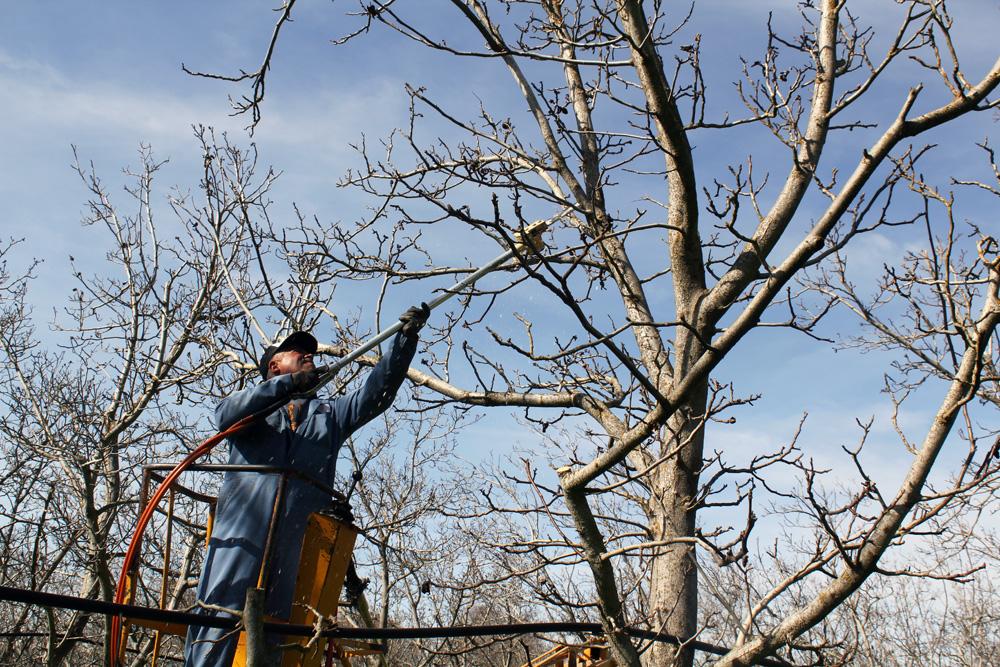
(147, 514)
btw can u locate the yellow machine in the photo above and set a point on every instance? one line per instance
(326, 555)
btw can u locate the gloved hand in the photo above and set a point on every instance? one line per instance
(303, 381)
(414, 319)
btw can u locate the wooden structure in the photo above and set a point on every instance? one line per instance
(592, 654)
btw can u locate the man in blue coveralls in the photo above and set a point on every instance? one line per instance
(305, 434)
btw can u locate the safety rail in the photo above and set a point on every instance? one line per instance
(154, 473)
(54, 600)
(153, 469)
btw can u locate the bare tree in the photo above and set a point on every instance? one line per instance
(627, 511)
(108, 388)
(422, 568)
(642, 304)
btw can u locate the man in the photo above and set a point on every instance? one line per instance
(305, 434)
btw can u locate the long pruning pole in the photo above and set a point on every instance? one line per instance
(526, 243)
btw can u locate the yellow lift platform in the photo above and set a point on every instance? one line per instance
(323, 565)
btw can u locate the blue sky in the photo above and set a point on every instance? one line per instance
(106, 77)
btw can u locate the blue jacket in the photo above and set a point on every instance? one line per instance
(246, 499)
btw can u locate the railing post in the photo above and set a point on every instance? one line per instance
(253, 625)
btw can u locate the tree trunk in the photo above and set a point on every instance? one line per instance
(673, 586)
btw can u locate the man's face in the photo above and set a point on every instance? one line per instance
(290, 361)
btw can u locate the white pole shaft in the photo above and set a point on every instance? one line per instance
(389, 332)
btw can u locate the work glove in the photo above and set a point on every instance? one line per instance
(303, 381)
(414, 319)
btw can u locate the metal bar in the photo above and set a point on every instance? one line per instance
(164, 573)
(524, 247)
(117, 647)
(192, 525)
(279, 497)
(512, 629)
(219, 467)
(192, 494)
(131, 577)
(392, 330)
(237, 467)
(185, 491)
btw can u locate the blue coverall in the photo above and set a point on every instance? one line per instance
(246, 499)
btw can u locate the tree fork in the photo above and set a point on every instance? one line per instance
(606, 586)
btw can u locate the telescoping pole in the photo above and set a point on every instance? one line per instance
(528, 243)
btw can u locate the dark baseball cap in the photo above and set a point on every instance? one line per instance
(297, 340)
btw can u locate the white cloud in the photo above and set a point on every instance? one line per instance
(36, 95)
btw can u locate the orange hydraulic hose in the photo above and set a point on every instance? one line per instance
(147, 515)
